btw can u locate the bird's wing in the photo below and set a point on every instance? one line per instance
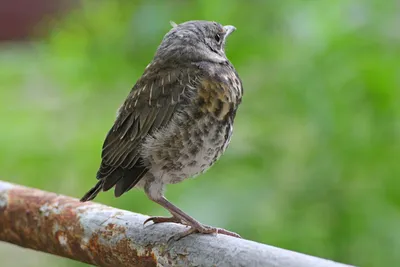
(149, 106)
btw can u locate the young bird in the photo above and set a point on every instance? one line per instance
(176, 121)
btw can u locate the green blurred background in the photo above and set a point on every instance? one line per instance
(313, 165)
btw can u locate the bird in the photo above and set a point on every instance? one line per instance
(176, 121)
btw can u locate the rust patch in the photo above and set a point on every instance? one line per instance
(105, 256)
(116, 228)
(31, 213)
(51, 223)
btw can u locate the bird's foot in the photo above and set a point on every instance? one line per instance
(157, 220)
(178, 216)
(204, 229)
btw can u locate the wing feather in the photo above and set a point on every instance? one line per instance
(148, 108)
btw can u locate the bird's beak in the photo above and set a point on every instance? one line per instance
(229, 29)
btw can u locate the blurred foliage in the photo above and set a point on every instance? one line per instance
(313, 165)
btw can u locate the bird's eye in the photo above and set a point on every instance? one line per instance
(217, 37)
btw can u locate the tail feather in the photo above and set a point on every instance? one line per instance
(92, 193)
(111, 178)
(122, 179)
(129, 180)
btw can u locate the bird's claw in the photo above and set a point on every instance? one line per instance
(226, 232)
(157, 220)
(204, 229)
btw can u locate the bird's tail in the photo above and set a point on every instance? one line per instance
(93, 192)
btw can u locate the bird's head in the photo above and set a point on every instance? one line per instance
(195, 41)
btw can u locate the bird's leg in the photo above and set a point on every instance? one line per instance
(159, 219)
(183, 218)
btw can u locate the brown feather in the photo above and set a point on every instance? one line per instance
(149, 107)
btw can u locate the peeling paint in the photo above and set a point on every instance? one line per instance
(3, 203)
(45, 210)
(4, 187)
(63, 240)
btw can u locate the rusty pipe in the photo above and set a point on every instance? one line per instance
(104, 236)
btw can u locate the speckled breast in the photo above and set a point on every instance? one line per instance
(202, 144)
(200, 129)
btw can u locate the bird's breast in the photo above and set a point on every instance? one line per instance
(218, 98)
(189, 146)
